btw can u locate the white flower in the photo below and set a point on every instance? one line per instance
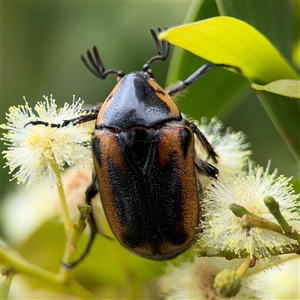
(33, 149)
(233, 152)
(195, 279)
(30, 212)
(191, 280)
(223, 230)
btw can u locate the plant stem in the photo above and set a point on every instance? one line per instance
(63, 201)
(274, 209)
(72, 240)
(244, 266)
(20, 265)
(5, 286)
(239, 210)
(250, 220)
(228, 254)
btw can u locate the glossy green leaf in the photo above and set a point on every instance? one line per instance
(270, 17)
(279, 22)
(217, 91)
(227, 40)
(285, 87)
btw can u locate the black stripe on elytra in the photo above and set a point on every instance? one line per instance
(185, 140)
(96, 148)
(173, 203)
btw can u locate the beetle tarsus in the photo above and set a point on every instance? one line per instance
(206, 168)
(35, 123)
(207, 146)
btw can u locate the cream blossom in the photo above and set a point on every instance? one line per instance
(195, 279)
(34, 149)
(231, 147)
(223, 230)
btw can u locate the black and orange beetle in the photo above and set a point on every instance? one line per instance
(145, 162)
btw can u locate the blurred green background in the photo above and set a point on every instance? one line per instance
(42, 42)
(41, 45)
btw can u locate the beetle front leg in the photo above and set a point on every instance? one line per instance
(195, 76)
(75, 121)
(90, 193)
(80, 120)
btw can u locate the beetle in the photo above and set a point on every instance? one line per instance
(145, 162)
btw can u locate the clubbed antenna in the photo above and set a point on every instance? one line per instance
(163, 49)
(96, 67)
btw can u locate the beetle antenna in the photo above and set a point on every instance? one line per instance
(163, 49)
(96, 67)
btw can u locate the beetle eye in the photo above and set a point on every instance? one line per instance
(147, 70)
(120, 75)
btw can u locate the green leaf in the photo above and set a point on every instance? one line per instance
(216, 91)
(285, 87)
(264, 15)
(284, 113)
(227, 40)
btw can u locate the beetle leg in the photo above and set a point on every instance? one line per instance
(207, 146)
(94, 109)
(195, 76)
(205, 167)
(75, 121)
(81, 119)
(90, 193)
